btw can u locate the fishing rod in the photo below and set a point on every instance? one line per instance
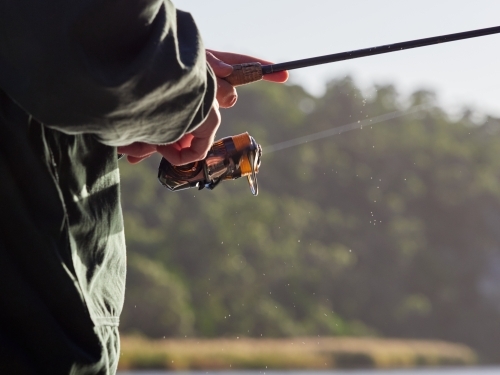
(239, 156)
(253, 71)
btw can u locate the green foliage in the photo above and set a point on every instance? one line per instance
(160, 302)
(388, 230)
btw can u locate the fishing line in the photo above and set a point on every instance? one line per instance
(341, 129)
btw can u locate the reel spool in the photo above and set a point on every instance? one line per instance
(228, 159)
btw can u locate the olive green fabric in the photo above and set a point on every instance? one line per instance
(124, 70)
(76, 79)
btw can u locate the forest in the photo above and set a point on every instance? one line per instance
(390, 230)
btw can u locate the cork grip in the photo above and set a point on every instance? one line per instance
(245, 73)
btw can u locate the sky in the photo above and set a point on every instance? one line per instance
(463, 73)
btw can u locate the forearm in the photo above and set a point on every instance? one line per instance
(124, 70)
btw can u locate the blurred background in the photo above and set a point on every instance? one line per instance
(387, 231)
(461, 73)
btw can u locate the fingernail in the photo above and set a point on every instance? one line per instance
(233, 100)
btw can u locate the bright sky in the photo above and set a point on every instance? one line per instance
(463, 73)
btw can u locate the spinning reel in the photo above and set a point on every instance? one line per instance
(228, 159)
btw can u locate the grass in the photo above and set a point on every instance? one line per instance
(289, 353)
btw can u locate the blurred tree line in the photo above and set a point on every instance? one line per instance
(392, 230)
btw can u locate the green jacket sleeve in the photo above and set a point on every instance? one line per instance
(124, 70)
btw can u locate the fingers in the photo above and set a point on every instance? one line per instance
(191, 147)
(234, 58)
(221, 63)
(278, 77)
(194, 146)
(137, 151)
(134, 160)
(220, 68)
(226, 93)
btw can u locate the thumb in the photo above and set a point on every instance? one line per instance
(220, 68)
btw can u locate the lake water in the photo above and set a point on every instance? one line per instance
(431, 371)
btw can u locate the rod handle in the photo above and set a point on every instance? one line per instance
(245, 73)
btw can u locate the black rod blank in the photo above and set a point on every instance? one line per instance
(267, 69)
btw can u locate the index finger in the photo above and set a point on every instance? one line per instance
(236, 58)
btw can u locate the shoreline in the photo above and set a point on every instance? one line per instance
(297, 353)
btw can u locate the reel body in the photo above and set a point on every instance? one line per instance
(228, 158)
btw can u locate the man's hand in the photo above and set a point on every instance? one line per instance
(137, 151)
(221, 63)
(191, 147)
(195, 145)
